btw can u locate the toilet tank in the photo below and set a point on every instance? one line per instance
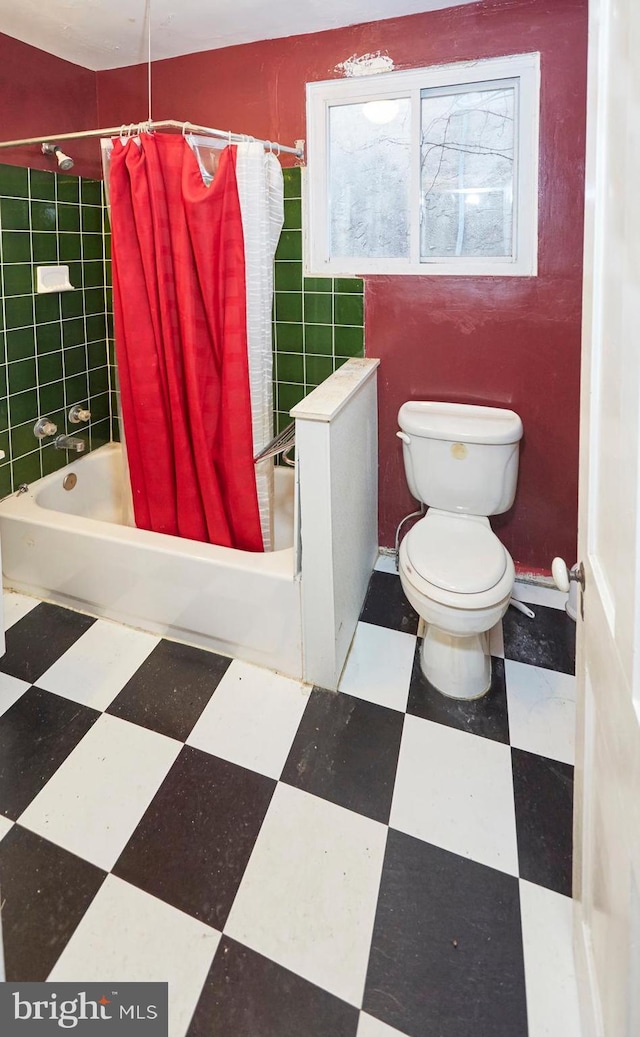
(461, 458)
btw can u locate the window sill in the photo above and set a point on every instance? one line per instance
(382, 268)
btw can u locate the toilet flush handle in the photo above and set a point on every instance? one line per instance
(404, 437)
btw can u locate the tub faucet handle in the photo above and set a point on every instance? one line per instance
(78, 414)
(44, 427)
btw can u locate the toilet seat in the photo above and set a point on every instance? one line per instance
(457, 560)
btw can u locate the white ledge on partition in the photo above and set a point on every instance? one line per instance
(325, 402)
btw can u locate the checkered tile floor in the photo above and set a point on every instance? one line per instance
(294, 862)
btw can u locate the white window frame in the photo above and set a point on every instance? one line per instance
(523, 68)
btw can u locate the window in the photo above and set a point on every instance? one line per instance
(432, 171)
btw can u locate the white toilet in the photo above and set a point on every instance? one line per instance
(462, 462)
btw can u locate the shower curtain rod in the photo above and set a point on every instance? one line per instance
(131, 129)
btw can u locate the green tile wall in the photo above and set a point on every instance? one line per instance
(53, 347)
(111, 342)
(318, 322)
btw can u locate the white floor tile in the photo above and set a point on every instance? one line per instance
(252, 718)
(99, 664)
(378, 668)
(5, 826)
(127, 935)
(552, 994)
(10, 691)
(386, 564)
(533, 594)
(308, 896)
(370, 1027)
(16, 606)
(94, 801)
(455, 790)
(542, 710)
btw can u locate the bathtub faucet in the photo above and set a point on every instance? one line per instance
(69, 443)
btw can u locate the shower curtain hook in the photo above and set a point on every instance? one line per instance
(185, 128)
(278, 151)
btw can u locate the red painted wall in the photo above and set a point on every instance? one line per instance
(502, 341)
(42, 94)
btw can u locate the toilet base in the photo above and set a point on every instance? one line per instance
(458, 667)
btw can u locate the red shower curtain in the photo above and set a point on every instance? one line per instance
(181, 341)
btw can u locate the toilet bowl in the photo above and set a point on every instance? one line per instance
(459, 578)
(461, 461)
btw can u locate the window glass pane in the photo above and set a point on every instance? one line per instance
(369, 178)
(466, 164)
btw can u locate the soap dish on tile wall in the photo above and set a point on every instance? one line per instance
(53, 279)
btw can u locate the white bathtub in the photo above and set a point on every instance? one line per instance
(69, 547)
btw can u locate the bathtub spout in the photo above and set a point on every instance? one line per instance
(69, 443)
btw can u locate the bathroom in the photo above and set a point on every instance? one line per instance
(511, 342)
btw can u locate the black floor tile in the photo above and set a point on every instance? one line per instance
(543, 791)
(37, 640)
(45, 892)
(346, 750)
(549, 640)
(193, 843)
(171, 688)
(446, 956)
(37, 733)
(247, 995)
(386, 606)
(487, 716)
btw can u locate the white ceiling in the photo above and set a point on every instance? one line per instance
(99, 34)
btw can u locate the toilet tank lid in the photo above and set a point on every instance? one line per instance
(459, 422)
